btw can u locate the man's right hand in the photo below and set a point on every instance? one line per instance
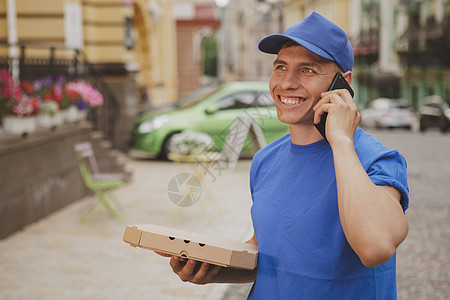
(197, 272)
(193, 271)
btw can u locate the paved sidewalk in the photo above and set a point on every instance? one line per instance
(61, 258)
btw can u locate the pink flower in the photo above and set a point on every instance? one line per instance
(88, 93)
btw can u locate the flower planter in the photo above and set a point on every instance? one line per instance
(190, 143)
(72, 114)
(50, 121)
(19, 125)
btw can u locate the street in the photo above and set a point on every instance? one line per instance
(61, 258)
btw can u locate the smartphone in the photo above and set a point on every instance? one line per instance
(338, 83)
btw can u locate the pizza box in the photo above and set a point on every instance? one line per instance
(192, 246)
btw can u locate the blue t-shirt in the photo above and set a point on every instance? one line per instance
(303, 252)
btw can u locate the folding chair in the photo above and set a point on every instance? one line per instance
(102, 184)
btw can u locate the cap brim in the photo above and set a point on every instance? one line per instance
(272, 44)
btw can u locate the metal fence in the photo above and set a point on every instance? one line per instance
(73, 65)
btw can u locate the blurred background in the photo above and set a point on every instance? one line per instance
(128, 75)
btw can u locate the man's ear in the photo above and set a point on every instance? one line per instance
(348, 76)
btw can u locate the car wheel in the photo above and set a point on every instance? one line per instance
(444, 125)
(165, 148)
(422, 126)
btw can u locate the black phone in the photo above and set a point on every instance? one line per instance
(338, 83)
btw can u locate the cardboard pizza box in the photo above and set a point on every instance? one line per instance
(192, 245)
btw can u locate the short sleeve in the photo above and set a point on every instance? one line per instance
(391, 169)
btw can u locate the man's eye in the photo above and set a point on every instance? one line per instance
(280, 67)
(308, 71)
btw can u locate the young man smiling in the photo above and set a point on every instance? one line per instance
(328, 216)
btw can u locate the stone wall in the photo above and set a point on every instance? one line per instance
(39, 174)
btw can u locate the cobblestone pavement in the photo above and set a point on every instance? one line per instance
(423, 260)
(60, 258)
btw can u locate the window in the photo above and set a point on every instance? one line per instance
(129, 40)
(237, 100)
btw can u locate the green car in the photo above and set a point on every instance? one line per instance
(211, 110)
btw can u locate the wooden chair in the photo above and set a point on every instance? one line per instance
(102, 184)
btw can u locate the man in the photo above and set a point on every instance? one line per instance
(328, 215)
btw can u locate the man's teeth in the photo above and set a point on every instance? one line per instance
(290, 101)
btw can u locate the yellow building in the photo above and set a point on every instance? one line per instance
(336, 11)
(132, 43)
(103, 35)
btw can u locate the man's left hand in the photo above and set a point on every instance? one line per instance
(343, 115)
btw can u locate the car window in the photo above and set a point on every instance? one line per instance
(435, 105)
(400, 103)
(247, 99)
(376, 104)
(388, 103)
(236, 100)
(380, 104)
(195, 97)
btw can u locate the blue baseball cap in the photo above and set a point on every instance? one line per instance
(317, 34)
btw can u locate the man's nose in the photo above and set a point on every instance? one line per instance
(291, 80)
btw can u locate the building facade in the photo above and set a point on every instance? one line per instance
(136, 36)
(337, 11)
(374, 30)
(244, 24)
(130, 43)
(423, 50)
(401, 49)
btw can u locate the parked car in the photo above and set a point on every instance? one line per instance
(435, 112)
(388, 113)
(211, 110)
